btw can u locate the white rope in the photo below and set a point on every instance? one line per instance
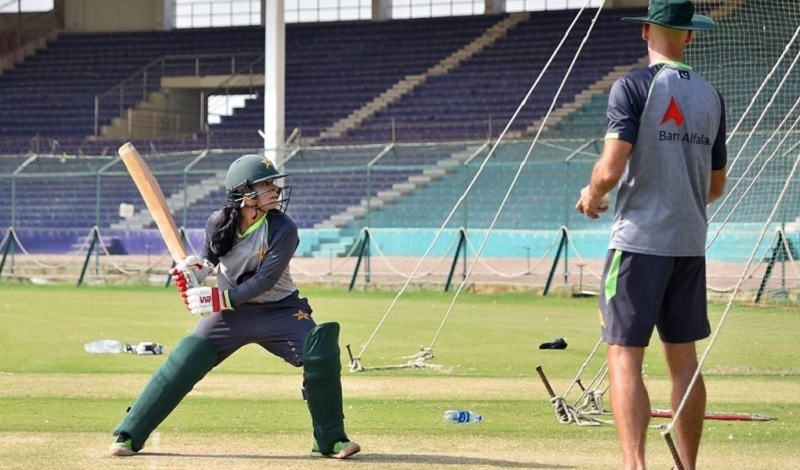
(753, 181)
(381, 255)
(190, 247)
(6, 238)
(747, 276)
(333, 268)
(668, 428)
(415, 361)
(740, 199)
(35, 261)
(780, 232)
(399, 273)
(519, 170)
(536, 264)
(83, 250)
(758, 93)
(584, 366)
(477, 175)
(577, 254)
(568, 414)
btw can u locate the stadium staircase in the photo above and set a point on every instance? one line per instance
(400, 189)
(409, 83)
(199, 191)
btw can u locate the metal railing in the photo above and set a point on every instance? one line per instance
(136, 87)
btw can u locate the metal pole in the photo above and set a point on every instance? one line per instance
(97, 200)
(13, 200)
(96, 115)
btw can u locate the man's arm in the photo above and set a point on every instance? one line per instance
(605, 175)
(717, 185)
(719, 157)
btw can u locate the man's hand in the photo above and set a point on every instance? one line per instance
(189, 273)
(205, 300)
(590, 204)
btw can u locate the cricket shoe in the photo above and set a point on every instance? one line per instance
(341, 450)
(123, 446)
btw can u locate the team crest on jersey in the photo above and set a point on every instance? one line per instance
(673, 113)
(684, 74)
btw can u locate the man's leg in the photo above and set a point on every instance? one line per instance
(630, 402)
(682, 362)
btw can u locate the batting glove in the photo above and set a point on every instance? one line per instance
(206, 300)
(189, 273)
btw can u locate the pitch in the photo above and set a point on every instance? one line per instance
(60, 403)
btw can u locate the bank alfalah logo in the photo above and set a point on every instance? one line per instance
(673, 113)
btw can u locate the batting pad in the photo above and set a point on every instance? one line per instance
(188, 363)
(323, 386)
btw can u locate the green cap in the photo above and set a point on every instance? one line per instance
(676, 14)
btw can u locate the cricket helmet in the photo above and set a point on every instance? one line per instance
(248, 170)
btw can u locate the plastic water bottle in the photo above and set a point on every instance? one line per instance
(107, 346)
(462, 416)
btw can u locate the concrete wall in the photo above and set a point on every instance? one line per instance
(116, 15)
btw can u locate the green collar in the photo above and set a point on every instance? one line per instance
(253, 227)
(674, 63)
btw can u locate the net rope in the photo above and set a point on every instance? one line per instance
(480, 170)
(545, 256)
(668, 428)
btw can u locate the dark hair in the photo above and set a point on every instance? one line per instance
(224, 234)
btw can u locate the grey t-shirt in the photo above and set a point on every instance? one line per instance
(676, 123)
(257, 268)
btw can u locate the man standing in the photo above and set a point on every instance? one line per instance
(665, 146)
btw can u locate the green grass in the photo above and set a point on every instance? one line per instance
(51, 391)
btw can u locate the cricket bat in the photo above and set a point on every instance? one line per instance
(154, 199)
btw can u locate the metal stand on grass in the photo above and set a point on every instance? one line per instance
(363, 254)
(95, 234)
(562, 246)
(8, 246)
(780, 252)
(460, 249)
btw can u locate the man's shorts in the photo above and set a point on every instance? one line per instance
(640, 292)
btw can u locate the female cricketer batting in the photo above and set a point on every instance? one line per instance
(250, 242)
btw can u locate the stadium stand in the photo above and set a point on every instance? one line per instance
(71, 71)
(455, 79)
(476, 99)
(324, 83)
(326, 79)
(542, 199)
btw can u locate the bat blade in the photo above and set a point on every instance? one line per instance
(154, 199)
